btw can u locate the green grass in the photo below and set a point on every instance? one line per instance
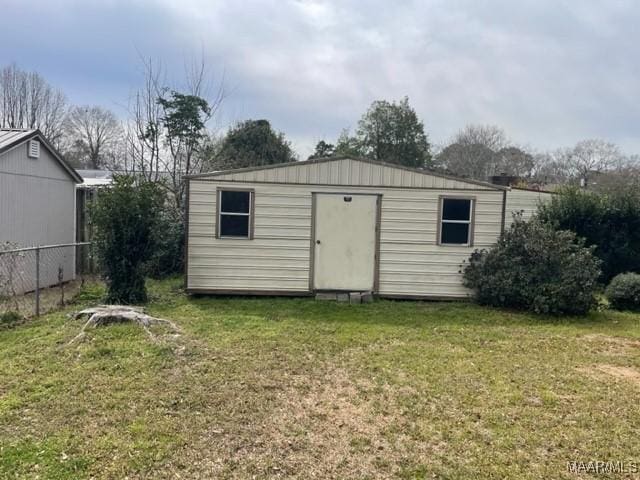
(282, 388)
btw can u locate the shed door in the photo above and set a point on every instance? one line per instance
(344, 241)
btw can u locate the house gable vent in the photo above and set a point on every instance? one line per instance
(33, 149)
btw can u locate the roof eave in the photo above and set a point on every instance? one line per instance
(330, 159)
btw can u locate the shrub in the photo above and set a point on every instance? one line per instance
(168, 256)
(609, 222)
(534, 267)
(126, 216)
(623, 292)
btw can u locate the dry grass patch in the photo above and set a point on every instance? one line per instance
(607, 344)
(625, 373)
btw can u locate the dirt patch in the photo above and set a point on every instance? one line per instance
(609, 345)
(336, 418)
(625, 373)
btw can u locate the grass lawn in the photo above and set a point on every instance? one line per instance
(293, 388)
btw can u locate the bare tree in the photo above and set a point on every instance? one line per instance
(28, 101)
(515, 161)
(143, 136)
(473, 152)
(92, 134)
(155, 150)
(490, 136)
(481, 151)
(552, 168)
(472, 160)
(593, 156)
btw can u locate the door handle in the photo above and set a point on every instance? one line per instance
(317, 242)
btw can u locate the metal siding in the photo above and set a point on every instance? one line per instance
(348, 171)
(17, 162)
(37, 207)
(278, 259)
(525, 201)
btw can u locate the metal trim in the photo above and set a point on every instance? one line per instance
(186, 233)
(215, 291)
(376, 256)
(252, 200)
(312, 244)
(472, 221)
(376, 265)
(357, 159)
(377, 186)
(504, 211)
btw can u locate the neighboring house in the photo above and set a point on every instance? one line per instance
(339, 224)
(93, 180)
(37, 199)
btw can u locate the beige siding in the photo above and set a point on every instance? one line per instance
(525, 201)
(347, 172)
(278, 258)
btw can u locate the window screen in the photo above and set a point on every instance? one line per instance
(455, 224)
(234, 216)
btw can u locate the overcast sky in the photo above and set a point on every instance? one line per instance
(549, 72)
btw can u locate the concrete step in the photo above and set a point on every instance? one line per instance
(350, 297)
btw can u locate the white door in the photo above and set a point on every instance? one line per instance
(344, 241)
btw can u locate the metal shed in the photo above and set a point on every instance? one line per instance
(338, 224)
(37, 197)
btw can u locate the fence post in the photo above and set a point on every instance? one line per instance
(38, 282)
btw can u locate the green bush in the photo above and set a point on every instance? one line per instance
(534, 267)
(623, 292)
(126, 218)
(609, 222)
(168, 256)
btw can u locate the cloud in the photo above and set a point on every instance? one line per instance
(548, 72)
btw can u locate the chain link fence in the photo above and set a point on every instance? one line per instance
(36, 280)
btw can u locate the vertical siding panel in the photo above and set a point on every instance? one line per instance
(347, 171)
(313, 173)
(37, 207)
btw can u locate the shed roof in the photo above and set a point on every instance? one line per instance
(348, 171)
(12, 137)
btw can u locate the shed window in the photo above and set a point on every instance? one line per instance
(234, 213)
(455, 223)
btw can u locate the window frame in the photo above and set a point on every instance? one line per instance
(471, 222)
(250, 214)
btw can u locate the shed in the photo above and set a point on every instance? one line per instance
(524, 201)
(340, 225)
(37, 198)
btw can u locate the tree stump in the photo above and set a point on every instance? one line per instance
(108, 314)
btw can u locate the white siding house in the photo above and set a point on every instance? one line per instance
(337, 224)
(37, 197)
